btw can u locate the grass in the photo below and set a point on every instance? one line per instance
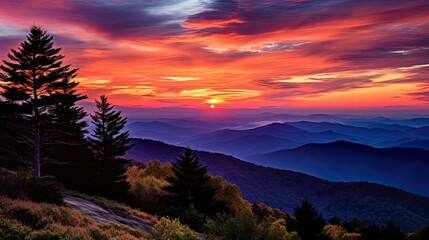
(25, 220)
(114, 205)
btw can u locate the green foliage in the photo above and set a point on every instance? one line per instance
(243, 226)
(171, 229)
(27, 217)
(228, 194)
(146, 185)
(109, 144)
(44, 190)
(190, 185)
(336, 232)
(13, 230)
(240, 226)
(309, 222)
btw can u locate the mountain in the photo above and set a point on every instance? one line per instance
(285, 189)
(162, 131)
(405, 168)
(239, 142)
(423, 144)
(364, 135)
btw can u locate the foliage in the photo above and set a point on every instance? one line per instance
(10, 184)
(109, 144)
(189, 185)
(29, 81)
(243, 226)
(309, 222)
(371, 232)
(228, 194)
(392, 232)
(420, 234)
(25, 220)
(146, 185)
(44, 190)
(171, 229)
(336, 232)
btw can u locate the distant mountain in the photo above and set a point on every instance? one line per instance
(413, 122)
(162, 131)
(239, 142)
(364, 135)
(405, 168)
(286, 189)
(423, 144)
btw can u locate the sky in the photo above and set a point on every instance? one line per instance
(246, 54)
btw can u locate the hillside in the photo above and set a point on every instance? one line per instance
(286, 189)
(404, 168)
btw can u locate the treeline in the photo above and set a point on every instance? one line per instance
(43, 128)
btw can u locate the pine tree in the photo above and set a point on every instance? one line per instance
(109, 144)
(372, 232)
(189, 186)
(392, 232)
(309, 222)
(69, 132)
(27, 82)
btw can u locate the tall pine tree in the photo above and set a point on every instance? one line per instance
(28, 81)
(69, 129)
(309, 222)
(109, 144)
(189, 186)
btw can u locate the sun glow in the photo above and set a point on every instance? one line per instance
(212, 106)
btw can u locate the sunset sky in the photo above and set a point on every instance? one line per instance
(322, 54)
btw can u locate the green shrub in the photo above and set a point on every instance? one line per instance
(12, 230)
(45, 190)
(45, 235)
(27, 217)
(171, 229)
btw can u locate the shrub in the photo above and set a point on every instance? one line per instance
(12, 230)
(27, 217)
(45, 190)
(171, 229)
(241, 226)
(10, 184)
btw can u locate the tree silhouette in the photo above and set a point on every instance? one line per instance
(109, 144)
(309, 222)
(392, 232)
(189, 185)
(28, 81)
(371, 232)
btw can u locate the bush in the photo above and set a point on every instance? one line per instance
(12, 230)
(171, 229)
(10, 184)
(241, 226)
(45, 190)
(45, 235)
(27, 217)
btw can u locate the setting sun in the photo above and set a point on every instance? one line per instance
(212, 106)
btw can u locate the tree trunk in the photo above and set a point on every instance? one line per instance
(37, 151)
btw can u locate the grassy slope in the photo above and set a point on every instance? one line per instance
(22, 219)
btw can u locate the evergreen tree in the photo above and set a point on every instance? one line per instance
(189, 186)
(69, 129)
(371, 232)
(392, 232)
(309, 222)
(27, 82)
(109, 144)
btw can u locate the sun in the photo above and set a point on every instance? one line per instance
(212, 106)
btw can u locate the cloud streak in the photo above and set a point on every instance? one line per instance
(237, 53)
